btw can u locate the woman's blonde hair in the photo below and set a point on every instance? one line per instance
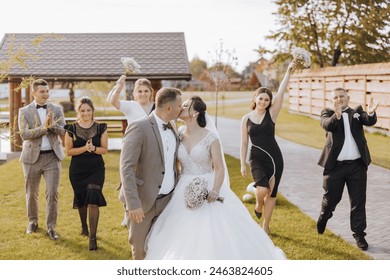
(146, 83)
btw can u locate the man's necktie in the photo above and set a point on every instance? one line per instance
(41, 106)
(167, 126)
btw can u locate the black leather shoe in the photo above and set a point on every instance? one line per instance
(32, 227)
(321, 223)
(52, 234)
(361, 242)
(258, 214)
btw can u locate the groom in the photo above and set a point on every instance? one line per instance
(148, 166)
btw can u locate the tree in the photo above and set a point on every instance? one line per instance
(197, 67)
(335, 31)
(221, 71)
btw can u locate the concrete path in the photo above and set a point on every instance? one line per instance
(301, 184)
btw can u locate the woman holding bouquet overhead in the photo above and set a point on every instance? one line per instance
(205, 220)
(266, 160)
(142, 105)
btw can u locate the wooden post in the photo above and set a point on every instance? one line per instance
(310, 96)
(324, 82)
(156, 85)
(15, 102)
(365, 93)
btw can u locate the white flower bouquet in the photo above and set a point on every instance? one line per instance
(196, 193)
(131, 66)
(301, 56)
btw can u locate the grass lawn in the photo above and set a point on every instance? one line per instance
(291, 230)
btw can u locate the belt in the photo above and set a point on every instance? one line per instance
(46, 152)
(349, 161)
(164, 195)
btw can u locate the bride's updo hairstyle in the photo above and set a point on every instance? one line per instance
(199, 106)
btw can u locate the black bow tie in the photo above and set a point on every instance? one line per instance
(167, 126)
(41, 106)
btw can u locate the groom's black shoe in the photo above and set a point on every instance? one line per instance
(321, 223)
(361, 242)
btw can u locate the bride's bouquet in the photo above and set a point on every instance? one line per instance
(131, 66)
(301, 56)
(196, 193)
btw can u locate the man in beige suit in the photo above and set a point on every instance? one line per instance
(148, 166)
(41, 124)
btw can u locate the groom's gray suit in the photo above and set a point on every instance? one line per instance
(142, 169)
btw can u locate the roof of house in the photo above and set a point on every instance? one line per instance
(97, 56)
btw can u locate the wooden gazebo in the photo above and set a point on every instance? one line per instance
(74, 57)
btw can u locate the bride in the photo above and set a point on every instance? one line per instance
(220, 227)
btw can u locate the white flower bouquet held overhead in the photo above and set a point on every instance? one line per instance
(301, 56)
(131, 66)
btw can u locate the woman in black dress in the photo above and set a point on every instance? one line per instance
(266, 160)
(86, 141)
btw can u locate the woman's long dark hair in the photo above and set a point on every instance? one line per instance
(198, 104)
(259, 91)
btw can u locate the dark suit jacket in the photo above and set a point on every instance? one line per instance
(142, 164)
(335, 135)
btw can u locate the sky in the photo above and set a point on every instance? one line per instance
(240, 25)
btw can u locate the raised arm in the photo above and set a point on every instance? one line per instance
(278, 101)
(113, 96)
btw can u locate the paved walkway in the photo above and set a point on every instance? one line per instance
(301, 184)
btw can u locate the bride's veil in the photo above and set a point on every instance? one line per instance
(210, 125)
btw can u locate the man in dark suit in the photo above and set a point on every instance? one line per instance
(345, 159)
(41, 126)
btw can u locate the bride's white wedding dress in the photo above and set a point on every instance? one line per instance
(214, 231)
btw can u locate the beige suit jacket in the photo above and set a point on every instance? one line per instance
(31, 131)
(142, 163)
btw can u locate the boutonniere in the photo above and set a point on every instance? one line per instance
(356, 116)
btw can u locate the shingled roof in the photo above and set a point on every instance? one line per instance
(97, 56)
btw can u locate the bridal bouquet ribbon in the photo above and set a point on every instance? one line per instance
(196, 193)
(131, 66)
(301, 56)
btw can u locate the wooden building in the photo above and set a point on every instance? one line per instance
(310, 89)
(73, 57)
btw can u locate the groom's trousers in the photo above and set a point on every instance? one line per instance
(138, 232)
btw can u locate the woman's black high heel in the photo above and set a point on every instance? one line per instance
(92, 244)
(258, 214)
(84, 231)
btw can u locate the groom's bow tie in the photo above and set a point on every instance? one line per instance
(41, 106)
(167, 126)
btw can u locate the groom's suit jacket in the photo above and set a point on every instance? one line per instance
(335, 135)
(30, 128)
(142, 163)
